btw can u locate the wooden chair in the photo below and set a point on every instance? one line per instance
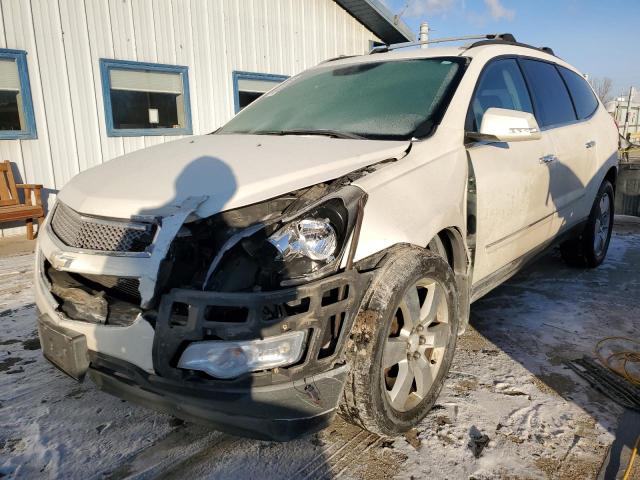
(11, 209)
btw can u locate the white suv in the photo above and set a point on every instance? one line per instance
(320, 251)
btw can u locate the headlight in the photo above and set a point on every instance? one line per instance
(223, 359)
(313, 238)
(305, 242)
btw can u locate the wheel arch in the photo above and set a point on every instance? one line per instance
(450, 243)
(612, 176)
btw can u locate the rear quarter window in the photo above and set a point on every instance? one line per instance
(551, 99)
(583, 97)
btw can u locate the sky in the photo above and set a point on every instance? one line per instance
(600, 38)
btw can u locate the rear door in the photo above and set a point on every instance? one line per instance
(585, 159)
(512, 185)
(571, 165)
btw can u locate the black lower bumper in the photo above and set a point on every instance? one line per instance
(276, 412)
(278, 404)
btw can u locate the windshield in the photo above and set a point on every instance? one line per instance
(397, 99)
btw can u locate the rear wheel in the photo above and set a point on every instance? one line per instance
(402, 343)
(590, 248)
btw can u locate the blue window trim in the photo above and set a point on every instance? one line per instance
(107, 64)
(29, 131)
(239, 75)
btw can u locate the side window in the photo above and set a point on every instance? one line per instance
(249, 86)
(583, 97)
(145, 99)
(502, 86)
(16, 109)
(550, 95)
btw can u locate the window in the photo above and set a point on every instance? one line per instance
(145, 99)
(16, 109)
(550, 96)
(395, 99)
(501, 86)
(583, 97)
(248, 87)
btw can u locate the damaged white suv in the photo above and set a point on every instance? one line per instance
(320, 251)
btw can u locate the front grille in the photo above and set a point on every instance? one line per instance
(90, 233)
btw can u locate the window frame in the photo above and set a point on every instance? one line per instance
(518, 59)
(575, 106)
(481, 75)
(566, 87)
(107, 64)
(29, 132)
(238, 75)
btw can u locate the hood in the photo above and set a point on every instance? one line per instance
(231, 171)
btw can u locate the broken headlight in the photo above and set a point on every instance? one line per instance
(311, 244)
(305, 242)
(314, 238)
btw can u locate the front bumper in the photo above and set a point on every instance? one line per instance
(137, 362)
(275, 412)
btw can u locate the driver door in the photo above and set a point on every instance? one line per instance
(513, 214)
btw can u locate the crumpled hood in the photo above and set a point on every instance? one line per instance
(230, 170)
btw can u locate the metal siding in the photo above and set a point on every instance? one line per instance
(65, 39)
(36, 161)
(81, 82)
(101, 46)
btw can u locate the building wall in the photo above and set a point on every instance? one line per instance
(64, 40)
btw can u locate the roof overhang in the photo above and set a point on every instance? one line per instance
(378, 19)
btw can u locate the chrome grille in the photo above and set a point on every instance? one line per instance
(90, 233)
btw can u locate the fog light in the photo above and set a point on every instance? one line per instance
(224, 359)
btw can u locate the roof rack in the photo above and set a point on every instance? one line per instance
(486, 39)
(501, 37)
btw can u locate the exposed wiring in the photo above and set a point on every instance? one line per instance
(627, 472)
(621, 361)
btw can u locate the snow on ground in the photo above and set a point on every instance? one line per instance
(508, 382)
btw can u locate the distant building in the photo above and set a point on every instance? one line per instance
(82, 82)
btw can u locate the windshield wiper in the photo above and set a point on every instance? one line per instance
(301, 131)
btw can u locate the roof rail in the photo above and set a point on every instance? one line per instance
(504, 37)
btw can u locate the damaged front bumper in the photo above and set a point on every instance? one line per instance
(138, 362)
(278, 412)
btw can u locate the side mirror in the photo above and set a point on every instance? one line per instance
(503, 125)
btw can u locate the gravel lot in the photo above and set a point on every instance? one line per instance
(508, 382)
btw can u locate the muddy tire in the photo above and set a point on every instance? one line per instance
(589, 249)
(402, 343)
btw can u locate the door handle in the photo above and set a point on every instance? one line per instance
(590, 144)
(548, 158)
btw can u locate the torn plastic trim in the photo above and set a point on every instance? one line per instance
(167, 231)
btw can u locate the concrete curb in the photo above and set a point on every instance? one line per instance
(626, 220)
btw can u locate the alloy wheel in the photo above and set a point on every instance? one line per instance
(602, 225)
(418, 337)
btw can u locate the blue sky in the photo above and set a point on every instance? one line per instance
(600, 38)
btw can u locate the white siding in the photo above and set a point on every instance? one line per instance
(65, 39)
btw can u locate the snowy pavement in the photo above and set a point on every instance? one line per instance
(508, 382)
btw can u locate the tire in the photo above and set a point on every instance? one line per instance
(411, 280)
(589, 249)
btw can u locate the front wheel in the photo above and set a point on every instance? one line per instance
(590, 248)
(402, 343)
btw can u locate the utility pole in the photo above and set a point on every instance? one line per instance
(424, 34)
(626, 118)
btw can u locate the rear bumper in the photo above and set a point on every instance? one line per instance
(276, 412)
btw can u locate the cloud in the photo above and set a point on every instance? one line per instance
(421, 8)
(498, 11)
(494, 10)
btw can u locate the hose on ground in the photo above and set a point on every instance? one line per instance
(624, 359)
